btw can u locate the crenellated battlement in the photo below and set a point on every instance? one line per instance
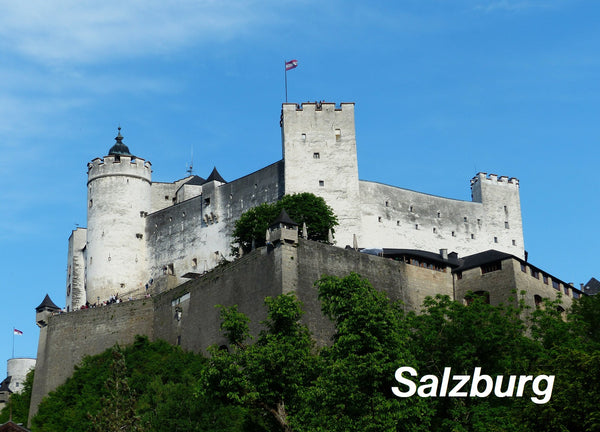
(318, 106)
(493, 178)
(119, 166)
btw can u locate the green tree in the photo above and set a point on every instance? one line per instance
(162, 379)
(450, 334)
(571, 352)
(264, 377)
(353, 391)
(19, 403)
(251, 227)
(117, 411)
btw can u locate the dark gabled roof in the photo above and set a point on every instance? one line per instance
(4, 384)
(119, 149)
(481, 258)
(11, 426)
(283, 218)
(47, 304)
(425, 255)
(214, 175)
(196, 181)
(592, 287)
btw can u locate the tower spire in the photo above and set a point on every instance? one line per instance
(119, 148)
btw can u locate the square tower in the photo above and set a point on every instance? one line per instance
(319, 153)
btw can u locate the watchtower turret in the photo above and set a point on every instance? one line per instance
(283, 230)
(118, 202)
(46, 309)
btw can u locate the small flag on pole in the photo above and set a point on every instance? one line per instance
(17, 332)
(291, 65)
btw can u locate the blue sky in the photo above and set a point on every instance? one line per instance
(443, 89)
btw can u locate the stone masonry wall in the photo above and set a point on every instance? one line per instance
(69, 337)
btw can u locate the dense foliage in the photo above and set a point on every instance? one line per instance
(18, 407)
(148, 386)
(251, 227)
(283, 382)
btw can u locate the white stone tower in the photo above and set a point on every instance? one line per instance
(17, 369)
(319, 150)
(502, 210)
(118, 202)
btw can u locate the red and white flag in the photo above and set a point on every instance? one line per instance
(291, 64)
(17, 332)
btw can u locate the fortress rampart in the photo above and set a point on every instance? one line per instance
(186, 315)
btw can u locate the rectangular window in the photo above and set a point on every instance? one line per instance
(566, 290)
(465, 218)
(495, 239)
(506, 225)
(576, 294)
(434, 230)
(491, 267)
(555, 285)
(523, 268)
(545, 279)
(316, 155)
(321, 183)
(535, 273)
(338, 134)
(514, 242)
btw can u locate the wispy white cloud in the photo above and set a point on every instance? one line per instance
(83, 31)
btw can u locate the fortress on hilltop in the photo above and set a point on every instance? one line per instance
(160, 245)
(144, 237)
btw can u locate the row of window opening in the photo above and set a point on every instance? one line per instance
(546, 280)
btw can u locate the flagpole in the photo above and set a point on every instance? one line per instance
(13, 351)
(285, 69)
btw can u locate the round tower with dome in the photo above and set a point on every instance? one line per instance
(118, 202)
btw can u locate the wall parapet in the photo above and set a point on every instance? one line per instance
(485, 177)
(317, 106)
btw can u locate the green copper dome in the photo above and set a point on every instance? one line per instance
(119, 149)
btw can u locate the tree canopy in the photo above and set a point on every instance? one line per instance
(251, 227)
